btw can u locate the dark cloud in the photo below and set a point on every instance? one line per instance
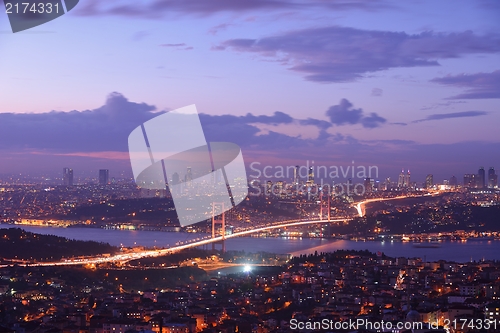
(102, 129)
(441, 116)
(344, 113)
(322, 124)
(168, 8)
(372, 121)
(107, 128)
(94, 139)
(340, 54)
(277, 118)
(479, 85)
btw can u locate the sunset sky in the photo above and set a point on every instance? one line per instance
(397, 84)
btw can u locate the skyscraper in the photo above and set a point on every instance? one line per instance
(453, 181)
(296, 175)
(470, 180)
(103, 176)
(429, 181)
(407, 179)
(492, 178)
(481, 177)
(388, 184)
(269, 187)
(368, 185)
(401, 179)
(311, 175)
(175, 179)
(67, 177)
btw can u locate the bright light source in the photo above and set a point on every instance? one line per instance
(247, 268)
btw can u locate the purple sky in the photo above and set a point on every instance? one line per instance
(412, 84)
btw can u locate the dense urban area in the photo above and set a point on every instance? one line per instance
(202, 290)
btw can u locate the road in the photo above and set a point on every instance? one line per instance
(360, 206)
(125, 257)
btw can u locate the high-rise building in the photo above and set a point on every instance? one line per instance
(103, 176)
(189, 174)
(453, 181)
(296, 175)
(310, 177)
(388, 184)
(67, 177)
(401, 179)
(429, 181)
(481, 177)
(492, 178)
(470, 180)
(269, 187)
(407, 179)
(279, 186)
(368, 185)
(175, 178)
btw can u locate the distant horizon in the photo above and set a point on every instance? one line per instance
(87, 175)
(413, 85)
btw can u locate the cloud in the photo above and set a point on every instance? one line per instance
(277, 118)
(322, 124)
(156, 9)
(103, 129)
(372, 121)
(221, 27)
(173, 45)
(446, 105)
(178, 46)
(341, 54)
(441, 116)
(140, 35)
(89, 140)
(344, 113)
(480, 85)
(95, 139)
(106, 129)
(377, 92)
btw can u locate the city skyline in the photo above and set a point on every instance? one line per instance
(404, 180)
(382, 83)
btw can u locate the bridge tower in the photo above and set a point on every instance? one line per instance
(321, 205)
(223, 225)
(329, 217)
(321, 208)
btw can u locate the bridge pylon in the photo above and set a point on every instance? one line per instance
(321, 208)
(223, 226)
